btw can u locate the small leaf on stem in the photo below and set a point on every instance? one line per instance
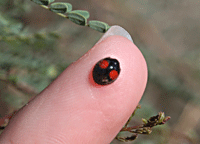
(60, 7)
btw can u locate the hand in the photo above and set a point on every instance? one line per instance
(75, 110)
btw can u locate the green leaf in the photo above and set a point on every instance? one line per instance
(60, 7)
(83, 13)
(43, 2)
(79, 17)
(99, 26)
(144, 121)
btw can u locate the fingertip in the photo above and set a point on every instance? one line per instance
(131, 82)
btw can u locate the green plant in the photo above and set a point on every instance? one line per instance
(77, 16)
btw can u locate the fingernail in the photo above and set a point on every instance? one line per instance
(116, 30)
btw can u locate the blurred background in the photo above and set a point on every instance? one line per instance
(36, 45)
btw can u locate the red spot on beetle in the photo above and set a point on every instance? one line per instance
(113, 74)
(104, 64)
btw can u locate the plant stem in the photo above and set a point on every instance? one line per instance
(60, 14)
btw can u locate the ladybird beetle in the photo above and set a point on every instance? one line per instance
(106, 71)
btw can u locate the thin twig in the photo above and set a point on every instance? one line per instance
(21, 87)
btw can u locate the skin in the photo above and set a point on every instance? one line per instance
(73, 109)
